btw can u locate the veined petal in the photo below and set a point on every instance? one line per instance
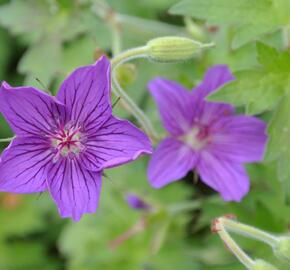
(228, 178)
(75, 190)
(171, 161)
(175, 105)
(215, 77)
(86, 94)
(239, 138)
(23, 165)
(29, 112)
(116, 142)
(208, 112)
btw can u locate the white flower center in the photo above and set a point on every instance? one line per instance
(197, 138)
(67, 142)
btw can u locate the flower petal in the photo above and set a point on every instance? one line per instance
(29, 112)
(116, 142)
(208, 112)
(239, 138)
(75, 190)
(171, 161)
(86, 94)
(215, 77)
(23, 165)
(228, 178)
(175, 105)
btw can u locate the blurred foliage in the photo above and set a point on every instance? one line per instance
(47, 39)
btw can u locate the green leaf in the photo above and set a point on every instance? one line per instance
(255, 17)
(24, 17)
(279, 143)
(41, 61)
(77, 53)
(258, 89)
(250, 32)
(27, 210)
(26, 255)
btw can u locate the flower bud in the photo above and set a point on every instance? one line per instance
(174, 49)
(262, 265)
(136, 202)
(282, 248)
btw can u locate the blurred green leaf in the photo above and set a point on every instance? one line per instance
(279, 143)
(41, 61)
(254, 17)
(78, 53)
(25, 17)
(25, 209)
(258, 89)
(25, 256)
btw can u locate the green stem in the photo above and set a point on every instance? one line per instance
(119, 59)
(116, 40)
(185, 206)
(249, 231)
(232, 245)
(7, 139)
(138, 52)
(285, 36)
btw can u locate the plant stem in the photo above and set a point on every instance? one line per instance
(7, 139)
(232, 245)
(138, 52)
(249, 231)
(285, 36)
(119, 59)
(185, 206)
(116, 40)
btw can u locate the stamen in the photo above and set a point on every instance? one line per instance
(67, 141)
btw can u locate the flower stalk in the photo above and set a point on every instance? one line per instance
(249, 231)
(219, 228)
(222, 225)
(6, 139)
(139, 52)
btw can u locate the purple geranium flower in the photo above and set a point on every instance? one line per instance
(62, 144)
(205, 136)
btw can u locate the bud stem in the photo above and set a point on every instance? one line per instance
(249, 231)
(232, 245)
(138, 52)
(119, 59)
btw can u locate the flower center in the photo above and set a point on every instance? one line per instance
(197, 138)
(67, 142)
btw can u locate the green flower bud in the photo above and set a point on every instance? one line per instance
(282, 248)
(262, 265)
(174, 49)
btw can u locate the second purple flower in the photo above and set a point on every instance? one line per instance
(205, 136)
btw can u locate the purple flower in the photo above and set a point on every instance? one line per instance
(62, 144)
(136, 202)
(205, 136)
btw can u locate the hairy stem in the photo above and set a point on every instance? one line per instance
(249, 231)
(6, 139)
(232, 245)
(131, 106)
